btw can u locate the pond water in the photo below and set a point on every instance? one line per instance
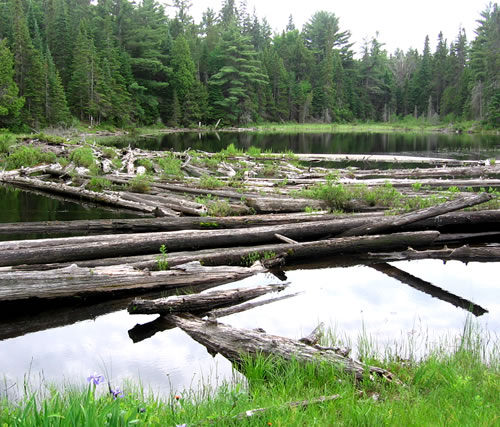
(466, 147)
(65, 345)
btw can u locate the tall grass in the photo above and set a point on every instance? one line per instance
(450, 385)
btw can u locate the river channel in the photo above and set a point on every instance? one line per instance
(64, 345)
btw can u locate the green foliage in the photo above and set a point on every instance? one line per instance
(126, 64)
(254, 151)
(99, 184)
(140, 183)
(170, 165)
(10, 101)
(210, 182)
(27, 156)
(252, 258)
(82, 156)
(161, 260)
(6, 141)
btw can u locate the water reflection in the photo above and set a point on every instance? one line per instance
(471, 147)
(346, 299)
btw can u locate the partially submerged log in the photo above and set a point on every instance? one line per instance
(387, 224)
(236, 344)
(162, 323)
(429, 288)
(200, 303)
(76, 281)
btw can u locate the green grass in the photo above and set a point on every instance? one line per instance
(140, 183)
(457, 383)
(170, 165)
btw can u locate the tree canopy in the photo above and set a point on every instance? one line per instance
(126, 63)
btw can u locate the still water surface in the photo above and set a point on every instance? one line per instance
(348, 300)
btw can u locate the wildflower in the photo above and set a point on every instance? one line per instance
(95, 379)
(116, 393)
(181, 425)
(177, 397)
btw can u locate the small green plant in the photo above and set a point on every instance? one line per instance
(254, 151)
(170, 165)
(140, 183)
(146, 163)
(253, 257)
(492, 161)
(209, 224)
(117, 163)
(98, 184)
(417, 186)
(209, 181)
(82, 156)
(161, 259)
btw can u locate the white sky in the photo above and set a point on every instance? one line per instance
(400, 23)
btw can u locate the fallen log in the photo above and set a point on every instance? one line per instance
(22, 317)
(237, 344)
(92, 247)
(288, 253)
(386, 224)
(110, 199)
(429, 288)
(162, 323)
(76, 281)
(200, 303)
(228, 255)
(143, 225)
(464, 253)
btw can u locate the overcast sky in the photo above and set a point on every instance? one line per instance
(400, 23)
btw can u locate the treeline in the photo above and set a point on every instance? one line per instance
(123, 63)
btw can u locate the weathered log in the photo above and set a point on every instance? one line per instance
(200, 303)
(76, 281)
(386, 224)
(449, 221)
(79, 193)
(283, 204)
(429, 288)
(172, 203)
(236, 344)
(383, 158)
(287, 253)
(464, 253)
(92, 247)
(162, 323)
(19, 318)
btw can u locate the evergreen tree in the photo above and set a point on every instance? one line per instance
(10, 102)
(29, 74)
(234, 86)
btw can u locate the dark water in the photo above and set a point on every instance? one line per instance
(470, 147)
(24, 206)
(64, 345)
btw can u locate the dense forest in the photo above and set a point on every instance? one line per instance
(123, 63)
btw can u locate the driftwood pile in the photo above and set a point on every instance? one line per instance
(185, 244)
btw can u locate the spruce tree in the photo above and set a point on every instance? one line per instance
(10, 101)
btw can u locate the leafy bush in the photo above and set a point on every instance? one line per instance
(98, 184)
(140, 183)
(82, 156)
(170, 165)
(28, 156)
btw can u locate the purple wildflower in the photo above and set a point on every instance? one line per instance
(116, 393)
(95, 379)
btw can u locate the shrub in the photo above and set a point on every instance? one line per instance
(82, 156)
(140, 183)
(28, 156)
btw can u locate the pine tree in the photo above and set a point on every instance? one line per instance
(10, 102)
(234, 86)
(83, 87)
